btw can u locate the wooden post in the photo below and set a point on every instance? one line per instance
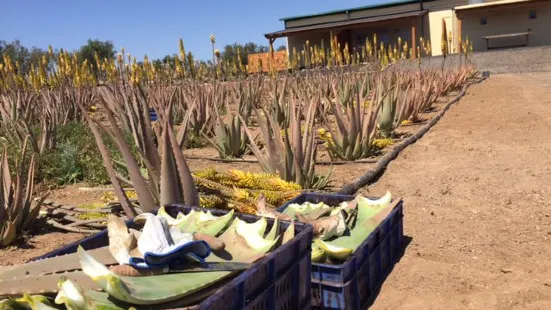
(459, 39)
(413, 40)
(271, 62)
(272, 47)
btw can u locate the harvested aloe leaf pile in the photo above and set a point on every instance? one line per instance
(235, 190)
(240, 190)
(339, 230)
(103, 279)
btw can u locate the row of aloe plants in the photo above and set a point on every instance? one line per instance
(353, 107)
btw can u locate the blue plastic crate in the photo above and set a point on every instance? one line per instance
(354, 283)
(278, 281)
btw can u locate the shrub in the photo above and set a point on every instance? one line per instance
(76, 158)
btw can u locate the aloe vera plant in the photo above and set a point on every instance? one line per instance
(353, 137)
(230, 140)
(280, 106)
(169, 180)
(17, 212)
(392, 102)
(248, 95)
(289, 153)
(205, 99)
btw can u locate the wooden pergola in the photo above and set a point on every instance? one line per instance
(336, 27)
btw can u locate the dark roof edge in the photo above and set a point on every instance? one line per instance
(360, 8)
(321, 26)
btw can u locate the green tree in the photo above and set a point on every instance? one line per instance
(229, 52)
(19, 53)
(281, 48)
(104, 50)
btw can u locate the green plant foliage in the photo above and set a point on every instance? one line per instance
(76, 158)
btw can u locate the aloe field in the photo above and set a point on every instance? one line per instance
(89, 145)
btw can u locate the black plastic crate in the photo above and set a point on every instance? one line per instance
(279, 281)
(354, 283)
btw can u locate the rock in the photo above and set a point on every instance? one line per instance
(506, 270)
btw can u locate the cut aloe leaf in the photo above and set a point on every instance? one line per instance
(273, 232)
(253, 235)
(71, 296)
(146, 290)
(170, 220)
(370, 214)
(33, 302)
(289, 233)
(318, 254)
(310, 211)
(329, 227)
(207, 223)
(259, 226)
(74, 298)
(332, 251)
(243, 241)
(375, 204)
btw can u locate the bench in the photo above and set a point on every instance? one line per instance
(508, 35)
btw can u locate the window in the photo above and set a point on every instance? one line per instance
(532, 14)
(483, 20)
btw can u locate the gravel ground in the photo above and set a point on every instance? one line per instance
(512, 60)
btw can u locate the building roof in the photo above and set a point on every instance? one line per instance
(499, 3)
(360, 22)
(360, 8)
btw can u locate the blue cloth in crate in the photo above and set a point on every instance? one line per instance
(197, 250)
(162, 246)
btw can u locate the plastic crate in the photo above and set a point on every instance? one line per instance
(279, 281)
(355, 283)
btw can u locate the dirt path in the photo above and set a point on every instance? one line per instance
(477, 191)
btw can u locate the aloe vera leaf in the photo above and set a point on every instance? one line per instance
(191, 196)
(207, 223)
(102, 300)
(318, 254)
(56, 264)
(289, 233)
(331, 250)
(43, 284)
(169, 219)
(253, 235)
(328, 227)
(170, 190)
(7, 304)
(370, 215)
(147, 201)
(242, 243)
(123, 199)
(259, 226)
(146, 290)
(310, 211)
(273, 232)
(33, 302)
(75, 298)
(121, 241)
(9, 232)
(71, 295)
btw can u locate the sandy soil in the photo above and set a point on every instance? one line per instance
(37, 244)
(477, 190)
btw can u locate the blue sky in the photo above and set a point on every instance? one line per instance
(152, 27)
